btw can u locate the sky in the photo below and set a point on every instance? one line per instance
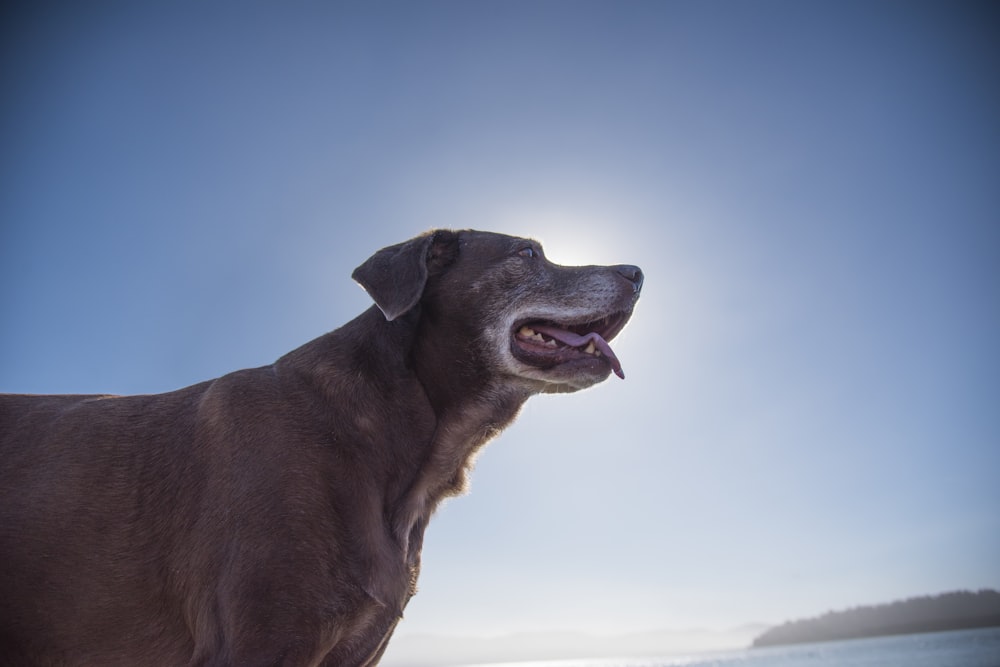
(811, 415)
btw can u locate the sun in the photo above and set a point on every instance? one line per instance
(569, 238)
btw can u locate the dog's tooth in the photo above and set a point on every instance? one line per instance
(590, 349)
(550, 343)
(527, 332)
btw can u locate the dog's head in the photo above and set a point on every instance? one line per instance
(499, 305)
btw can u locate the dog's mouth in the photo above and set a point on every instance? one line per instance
(546, 344)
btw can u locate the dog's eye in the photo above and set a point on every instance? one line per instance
(528, 252)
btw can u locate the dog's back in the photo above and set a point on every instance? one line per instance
(176, 528)
(139, 525)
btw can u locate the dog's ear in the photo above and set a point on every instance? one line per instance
(395, 277)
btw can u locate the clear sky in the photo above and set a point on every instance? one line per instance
(811, 415)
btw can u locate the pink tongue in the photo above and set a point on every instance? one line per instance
(576, 340)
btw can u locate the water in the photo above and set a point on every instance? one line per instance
(961, 648)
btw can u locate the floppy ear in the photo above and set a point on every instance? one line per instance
(395, 277)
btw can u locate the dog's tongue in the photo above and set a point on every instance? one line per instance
(576, 340)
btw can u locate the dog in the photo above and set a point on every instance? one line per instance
(275, 516)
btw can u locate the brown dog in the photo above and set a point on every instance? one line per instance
(274, 516)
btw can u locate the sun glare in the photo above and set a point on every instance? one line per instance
(571, 239)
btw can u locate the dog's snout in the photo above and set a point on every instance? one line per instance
(633, 274)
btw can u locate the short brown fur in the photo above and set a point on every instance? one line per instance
(275, 516)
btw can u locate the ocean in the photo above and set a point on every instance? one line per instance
(960, 648)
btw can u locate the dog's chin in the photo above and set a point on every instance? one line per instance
(564, 379)
(560, 372)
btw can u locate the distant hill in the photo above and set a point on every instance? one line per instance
(949, 611)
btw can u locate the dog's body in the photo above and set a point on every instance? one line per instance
(275, 516)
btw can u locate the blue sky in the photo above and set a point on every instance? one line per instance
(810, 416)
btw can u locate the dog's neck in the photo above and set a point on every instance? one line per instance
(458, 406)
(469, 409)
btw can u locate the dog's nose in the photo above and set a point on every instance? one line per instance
(633, 274)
